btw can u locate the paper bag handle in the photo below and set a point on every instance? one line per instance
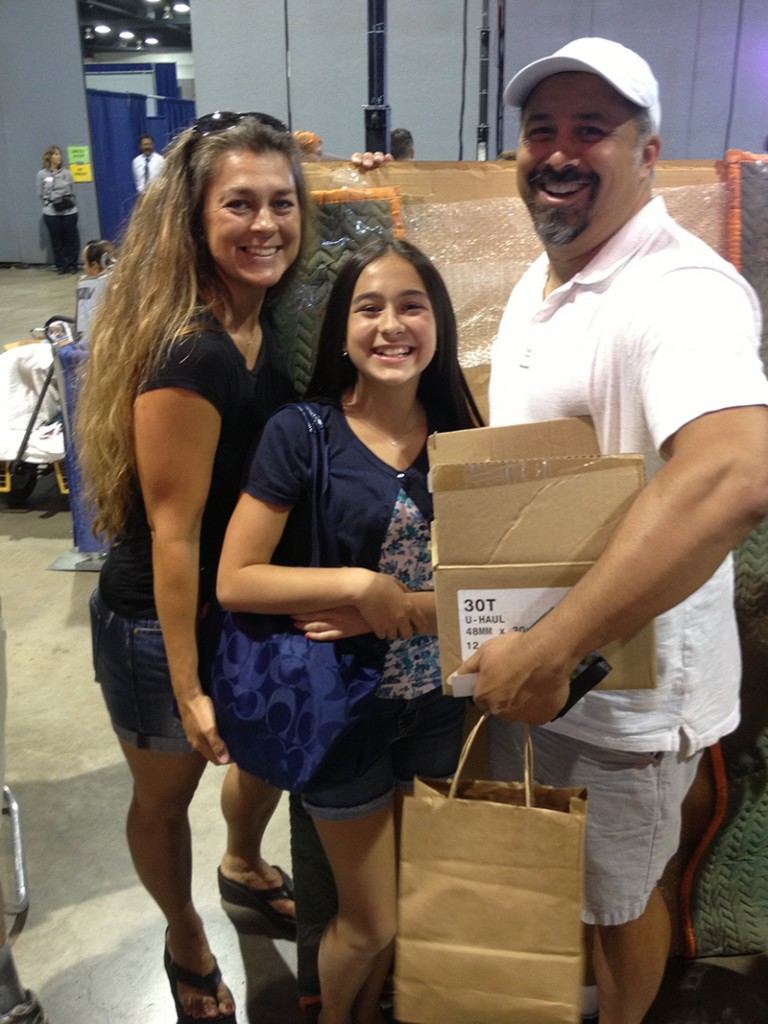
(527, 765)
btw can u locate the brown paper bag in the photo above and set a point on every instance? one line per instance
(490, 899)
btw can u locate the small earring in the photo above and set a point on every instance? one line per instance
(344, 354)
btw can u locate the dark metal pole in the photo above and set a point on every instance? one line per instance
(377, 112)
(500, 28)
(287, 63)
(482, 127)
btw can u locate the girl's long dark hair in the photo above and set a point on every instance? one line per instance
(442, 390)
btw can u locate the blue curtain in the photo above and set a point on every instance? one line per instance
(117, 119)
(179, 114)
(160, 131)
(166, 83)
(122, 69)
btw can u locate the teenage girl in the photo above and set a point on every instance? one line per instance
(387, 375)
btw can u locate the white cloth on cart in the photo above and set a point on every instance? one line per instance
(23, 371)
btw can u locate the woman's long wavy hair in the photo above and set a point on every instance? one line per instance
(165, 278)
(442, 390)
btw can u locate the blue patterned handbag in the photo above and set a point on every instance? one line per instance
(285, 703)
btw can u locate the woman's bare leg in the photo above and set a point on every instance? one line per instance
(161, 847)
(248, 804)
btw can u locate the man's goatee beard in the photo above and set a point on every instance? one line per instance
(556, 227)
(560, 225)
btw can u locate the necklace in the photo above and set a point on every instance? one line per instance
(248, 342)
(394, 441)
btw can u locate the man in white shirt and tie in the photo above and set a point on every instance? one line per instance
(148, 164)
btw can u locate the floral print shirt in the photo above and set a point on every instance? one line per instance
(411, 667)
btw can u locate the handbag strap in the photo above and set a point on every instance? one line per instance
(324, 543)
(528, 760)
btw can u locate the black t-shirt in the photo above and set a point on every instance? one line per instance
(209, 364)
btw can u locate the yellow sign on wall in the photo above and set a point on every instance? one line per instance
(81, 172)
(79, 159)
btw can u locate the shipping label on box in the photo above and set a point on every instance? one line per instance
(475, 603)
(485, 613)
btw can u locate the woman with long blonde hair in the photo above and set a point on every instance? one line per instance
(183, 372)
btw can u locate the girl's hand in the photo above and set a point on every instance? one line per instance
(388, 607)
(199, 721)
(331, 623)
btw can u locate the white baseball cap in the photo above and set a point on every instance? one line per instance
(622, 68)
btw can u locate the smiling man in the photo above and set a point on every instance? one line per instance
(631, 320)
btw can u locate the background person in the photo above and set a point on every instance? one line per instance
(401, 144)
(387, 376)
(147, 165)
(99, 256)
(631, 320)
(183, 372)
(56, 189)
(311, 146)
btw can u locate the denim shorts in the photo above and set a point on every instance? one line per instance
(421, 736)
(130, 665)
(633, 810)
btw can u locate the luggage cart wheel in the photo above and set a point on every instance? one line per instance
(23, 480)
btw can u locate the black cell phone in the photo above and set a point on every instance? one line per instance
(584, 677)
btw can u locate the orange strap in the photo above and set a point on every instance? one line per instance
(686, 881)
(390, 193)
(734, 158)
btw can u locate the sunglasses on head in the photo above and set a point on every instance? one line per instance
(223, 120)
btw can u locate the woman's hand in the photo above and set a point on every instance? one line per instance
(199, 721)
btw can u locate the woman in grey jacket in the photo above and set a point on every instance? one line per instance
(56, 189)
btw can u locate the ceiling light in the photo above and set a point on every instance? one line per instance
(103, 30)
(127, 34)
(181, 8)
(151, 40)
(88, 33)
(153, 1)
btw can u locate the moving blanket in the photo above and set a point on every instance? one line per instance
(345, 220)
(729, 892)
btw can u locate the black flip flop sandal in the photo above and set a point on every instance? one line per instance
(207, 983)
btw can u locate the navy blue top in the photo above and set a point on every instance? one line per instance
(363, 488)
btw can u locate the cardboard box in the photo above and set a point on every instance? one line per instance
(521, 514)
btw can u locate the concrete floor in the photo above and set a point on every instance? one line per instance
(91, 945)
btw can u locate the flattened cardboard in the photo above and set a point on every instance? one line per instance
(572, 436)
(544, 510)
(521, 514)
